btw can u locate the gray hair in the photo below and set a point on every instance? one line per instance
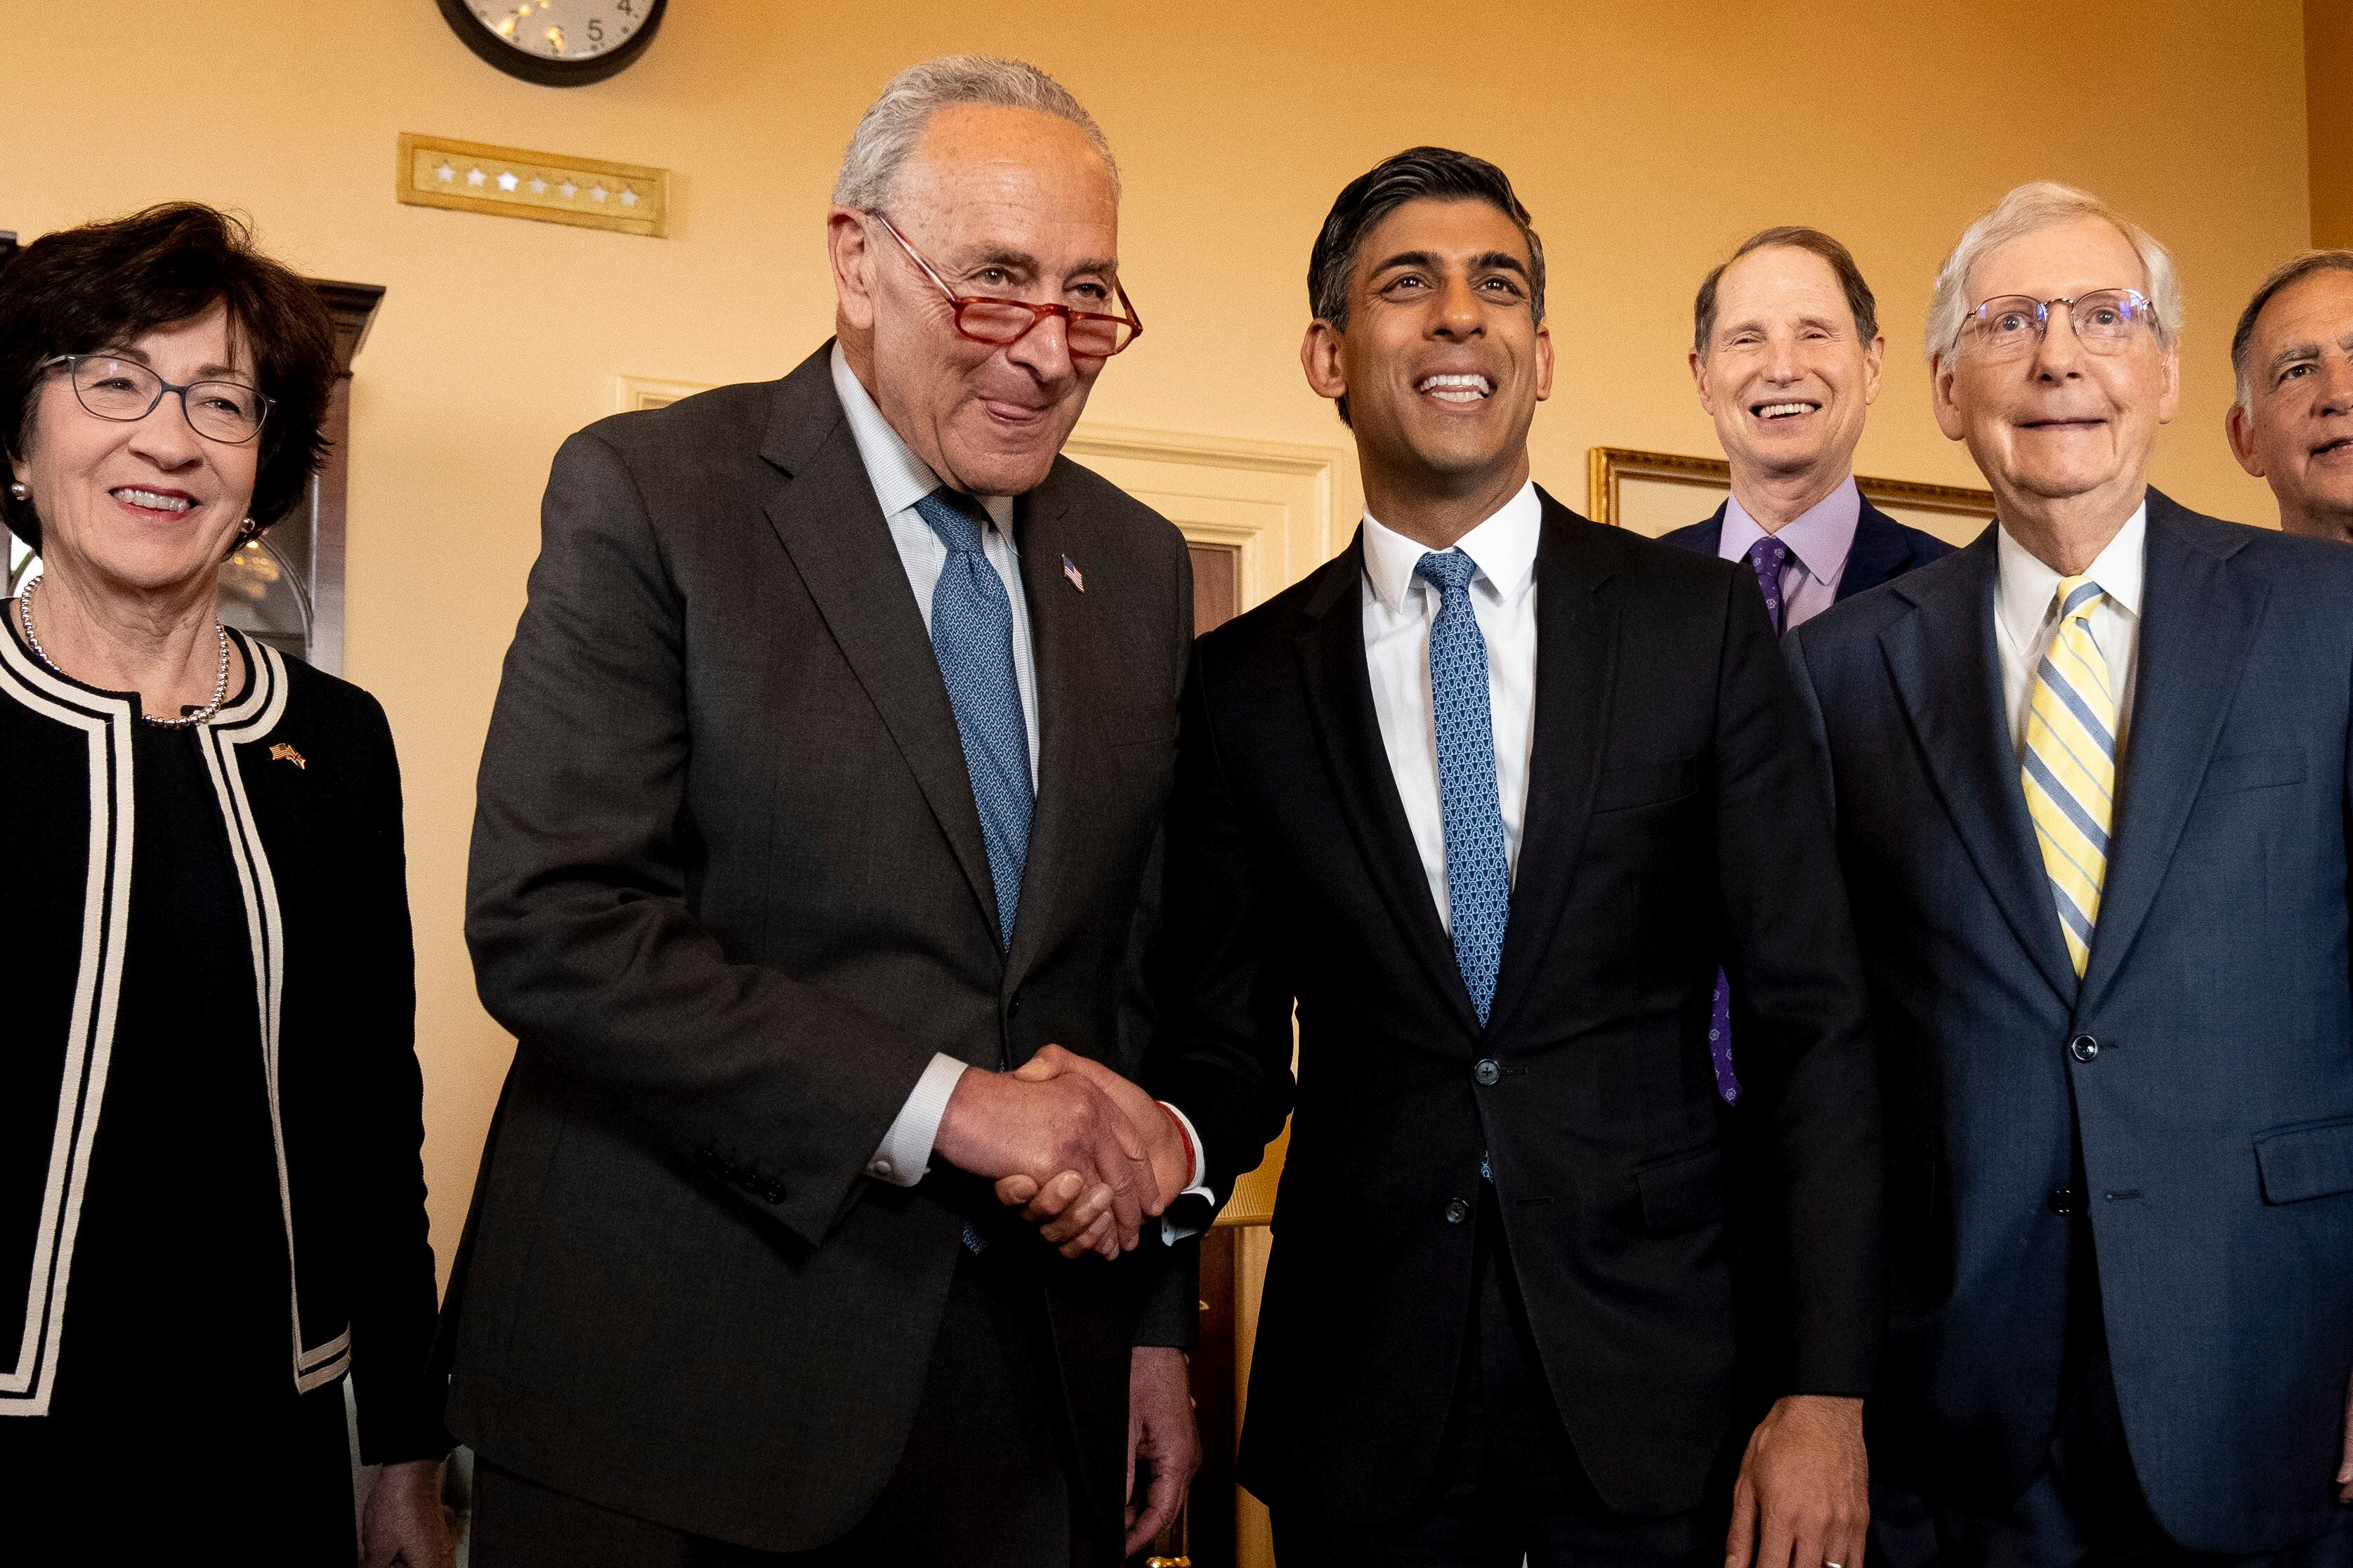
(887, 134)
(2294, 270)
(2041, 205)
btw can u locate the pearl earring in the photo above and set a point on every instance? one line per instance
(20, 491)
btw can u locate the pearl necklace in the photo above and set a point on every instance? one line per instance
(220, 681)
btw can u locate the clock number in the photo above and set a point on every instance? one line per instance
(626, 7)
(596, 25)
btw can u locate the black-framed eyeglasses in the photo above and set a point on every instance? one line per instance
(2010, 325)
(122, 389)
(1090, 334)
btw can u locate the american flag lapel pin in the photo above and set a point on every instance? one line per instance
(1071, 570)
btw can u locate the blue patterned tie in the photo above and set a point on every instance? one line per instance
(1478, 874)
(972, 636)
(1766, 558)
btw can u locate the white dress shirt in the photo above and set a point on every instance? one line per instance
(2025, 619)
(900, 479)
(1819, 539)
(1399, 610)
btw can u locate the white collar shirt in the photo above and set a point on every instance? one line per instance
(2025, 618)
(1399, 610)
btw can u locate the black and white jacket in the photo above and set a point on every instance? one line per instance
(319, 866)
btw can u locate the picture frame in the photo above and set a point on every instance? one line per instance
(1652, 492)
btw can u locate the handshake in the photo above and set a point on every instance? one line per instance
(1086, 1155)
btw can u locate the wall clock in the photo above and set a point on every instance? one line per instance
(557, 43)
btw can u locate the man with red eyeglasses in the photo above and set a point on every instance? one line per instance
(826, 772)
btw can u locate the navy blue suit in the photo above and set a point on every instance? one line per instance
(1883, 548)
(2165, 1149)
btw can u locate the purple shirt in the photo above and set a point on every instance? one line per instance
(1818, 539)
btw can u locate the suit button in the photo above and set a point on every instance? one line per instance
(1457, 1212)
(1013, 1005)
(2063, 1201)
(1487, 1073)
(2083, 1047)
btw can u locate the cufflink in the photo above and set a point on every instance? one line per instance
(882, 1168)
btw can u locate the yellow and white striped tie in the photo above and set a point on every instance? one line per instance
(2071, 764)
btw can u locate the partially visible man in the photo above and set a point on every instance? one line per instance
(824, 779)
(2091, 776)
(1486, 799)
(1786, 350)
(2292, 423)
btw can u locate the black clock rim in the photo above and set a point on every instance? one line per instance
(527, 67)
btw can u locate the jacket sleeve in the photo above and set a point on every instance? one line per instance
(393, 1288)
(1223, 1055)
(1800, 1019)
(577, 913)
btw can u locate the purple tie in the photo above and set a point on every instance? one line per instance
(1766, 558)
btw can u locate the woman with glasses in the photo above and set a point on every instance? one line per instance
(211, 1201)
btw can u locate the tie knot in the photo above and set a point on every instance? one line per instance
(950, 513)
(1449, 570)
(2077, 596)
(1768, 554)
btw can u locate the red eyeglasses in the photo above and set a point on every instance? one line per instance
(1090, 333)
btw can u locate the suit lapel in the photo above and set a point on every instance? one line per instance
(1072, 684)
(1946, 668)
(1576, 665)
(825, 514)
(1878, 554)
(1340, 696)
(2198, 622)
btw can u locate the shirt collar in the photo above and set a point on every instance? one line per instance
(1503, 547)
(2027, 584)
(1821, 537)
(900, 478)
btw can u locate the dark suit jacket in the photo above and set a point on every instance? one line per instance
(1674, 817)
(1883, 548)
(730, 892)
(2216, 1117)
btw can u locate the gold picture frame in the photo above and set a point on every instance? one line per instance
(1956, 513)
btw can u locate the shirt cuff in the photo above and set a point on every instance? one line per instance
(1173, 1231)
(904, 1157)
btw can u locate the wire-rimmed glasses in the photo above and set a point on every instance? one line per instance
(121, 389)
(1090, 334)
(2010, 325)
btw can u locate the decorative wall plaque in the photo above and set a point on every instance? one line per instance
(508, 181)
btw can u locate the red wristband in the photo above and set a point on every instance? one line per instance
(1192, 1156)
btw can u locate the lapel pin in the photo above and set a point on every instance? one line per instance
(282, 753)
(1071, 570)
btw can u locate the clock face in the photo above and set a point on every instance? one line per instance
(564, 29)
(558, 43)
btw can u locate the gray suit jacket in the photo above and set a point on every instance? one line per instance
(730, 893)
(2205, 1059)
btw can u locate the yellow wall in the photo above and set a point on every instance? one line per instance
(1647, 139)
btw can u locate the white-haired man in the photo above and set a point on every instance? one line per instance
(2091, 776)
(2292, 424)
(826, 767)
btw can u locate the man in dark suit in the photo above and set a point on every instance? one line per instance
(1487, 798)
(825, 775)
(2091, 776)
(1786, 350)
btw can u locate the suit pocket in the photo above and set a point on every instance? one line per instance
(1683, 1192)
(2314, 1160)
(2243, 771)
(1634, 784)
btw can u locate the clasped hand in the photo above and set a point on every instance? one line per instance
(1084, 1154)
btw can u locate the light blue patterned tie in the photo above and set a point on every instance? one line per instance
(972, 636)
(1478, 874)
